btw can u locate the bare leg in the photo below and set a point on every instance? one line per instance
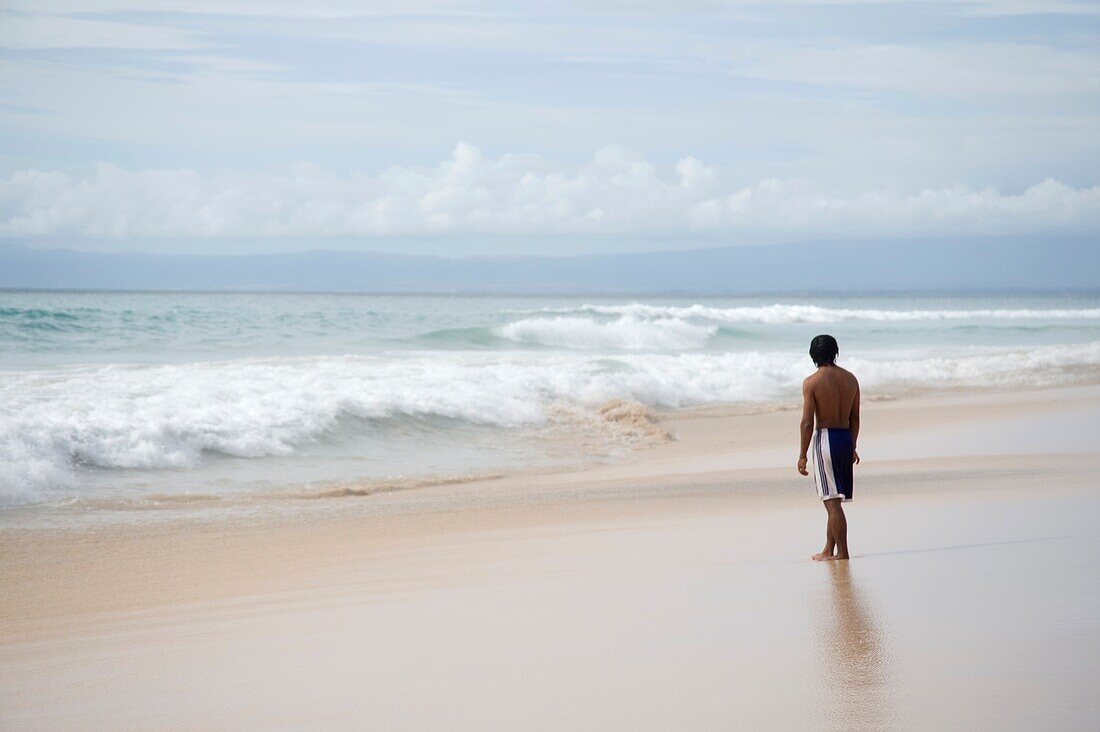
(838, 527)
(830, 543)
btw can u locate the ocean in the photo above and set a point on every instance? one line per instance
(130, 399)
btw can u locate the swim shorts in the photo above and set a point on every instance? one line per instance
(832, 451)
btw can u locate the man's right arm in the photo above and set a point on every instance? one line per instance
(806, 426)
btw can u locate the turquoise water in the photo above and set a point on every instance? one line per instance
(130, 395)
(39, 329)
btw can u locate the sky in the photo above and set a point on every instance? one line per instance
(469, 128)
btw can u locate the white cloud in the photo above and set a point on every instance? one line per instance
(617, 192)
(908, 96)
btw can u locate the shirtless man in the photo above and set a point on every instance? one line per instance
(830, 396)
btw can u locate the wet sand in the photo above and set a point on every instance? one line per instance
(674, 590)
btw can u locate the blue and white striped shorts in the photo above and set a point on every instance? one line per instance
(832, 451)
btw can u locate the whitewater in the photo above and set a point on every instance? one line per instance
(130, 395)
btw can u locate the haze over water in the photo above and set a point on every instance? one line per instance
(135, 396)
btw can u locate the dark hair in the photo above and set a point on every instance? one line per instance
(823, 350)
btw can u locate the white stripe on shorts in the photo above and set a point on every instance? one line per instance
(823, 464)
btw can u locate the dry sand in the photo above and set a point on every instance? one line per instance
(670, 591)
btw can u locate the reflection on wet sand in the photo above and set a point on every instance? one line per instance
(857, 694)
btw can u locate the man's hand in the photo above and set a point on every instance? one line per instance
(802, 466)
(855, 457)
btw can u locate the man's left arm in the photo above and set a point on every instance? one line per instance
(853, 424)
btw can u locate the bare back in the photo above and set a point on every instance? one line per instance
(835, 395)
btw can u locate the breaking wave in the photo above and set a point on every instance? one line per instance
(781, 313)
(625, 333)
(56, 423)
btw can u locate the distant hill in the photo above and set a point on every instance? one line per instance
(942, 264)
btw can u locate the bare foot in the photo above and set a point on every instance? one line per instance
(822, 556)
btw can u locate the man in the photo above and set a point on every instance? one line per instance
(830, 397)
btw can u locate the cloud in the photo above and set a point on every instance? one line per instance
(852, 95)
(617, 192)
(26, 31)
(984, 70)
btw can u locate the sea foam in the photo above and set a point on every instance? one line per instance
(55, 424)
(789, 313)
(628, 332)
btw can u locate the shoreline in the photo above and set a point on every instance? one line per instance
(758, 428)
(685, 571)
(716, 454)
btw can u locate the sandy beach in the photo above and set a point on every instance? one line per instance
(673, 589)
(443, 366)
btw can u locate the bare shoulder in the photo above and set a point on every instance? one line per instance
(849, 377)
(809, 381)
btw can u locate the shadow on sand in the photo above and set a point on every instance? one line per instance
(856, 673)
